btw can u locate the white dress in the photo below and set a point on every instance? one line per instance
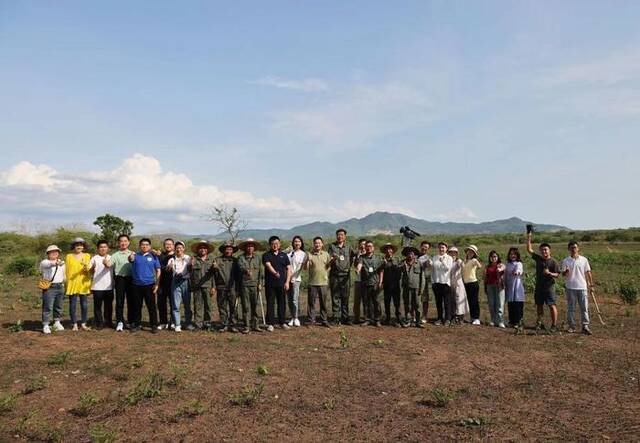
(457, 286)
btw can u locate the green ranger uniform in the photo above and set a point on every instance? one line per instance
(250, 278)
(391, 286)
(412, 278)
(358, 301)
(201, 284)
(426, 283)
(369, 280)
(226, 277)
(340, 280)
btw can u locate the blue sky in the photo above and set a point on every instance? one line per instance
(301, 111)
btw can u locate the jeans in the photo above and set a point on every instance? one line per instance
(583, 301)
(100, 299)
(340, 289)
(275, 294)
(180, 293)
(294, 299)
(317, 292)
(52, 300)
(495, 302)
(84, 307)
(124, 291)
(473, 289)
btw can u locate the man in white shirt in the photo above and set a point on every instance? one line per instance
(441, 265)
(102, 286)
(577, 280)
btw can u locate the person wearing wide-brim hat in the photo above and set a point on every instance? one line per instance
(407, 249)
(226, 245)
(202, 284)
(77, 269)
(472, 287)
(386, 246)
(226, 275)
(250, 268)
(78, 241)
(458, 292)
(257, 246)
(53, 271)
(412, 277)
(391, 283)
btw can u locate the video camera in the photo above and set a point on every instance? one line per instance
(408, 235)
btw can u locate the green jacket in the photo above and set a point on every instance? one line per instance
(202, 272)
(250, 269)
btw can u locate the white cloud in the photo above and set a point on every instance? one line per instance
(462, 214)
(306, 85)
(27, 174)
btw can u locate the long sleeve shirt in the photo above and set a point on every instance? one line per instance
(441, 269)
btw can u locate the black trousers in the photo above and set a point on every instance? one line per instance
(516, 312)
(389, 295)
(124, 291)
(441, 292)
(276, 295)
(103, 299)
(165, 297)
(145, 294)
(340, 290)
(473, 289)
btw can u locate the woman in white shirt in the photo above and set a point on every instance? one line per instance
(297, 258)
(53, 271)
(180, 266)
(102, 286)
(441, 265)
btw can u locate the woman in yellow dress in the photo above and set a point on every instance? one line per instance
(77, 268)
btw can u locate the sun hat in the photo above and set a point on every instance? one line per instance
(473, 248)
(180, 243)
(199, 244)
(386, 246)
(407, 249)
(226, 245)
(78, 240)
(452, 249)
(52, 248)
(250, 241)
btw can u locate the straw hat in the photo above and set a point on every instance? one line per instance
(225, 245)
(52, 248)
(386, 246)
(453, 249)
(256, 244)
(407, 249)
(201, 243)
(473, 248)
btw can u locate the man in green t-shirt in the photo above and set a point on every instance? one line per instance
(318, 264)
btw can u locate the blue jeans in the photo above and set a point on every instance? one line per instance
(579, 295)
(181, 294)
(84, 307)
(294, 299)
(52, 300)
(495, 301)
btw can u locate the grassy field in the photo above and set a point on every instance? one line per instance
(313, 384)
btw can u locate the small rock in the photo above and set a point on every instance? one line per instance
(76, 372)
(62, 410)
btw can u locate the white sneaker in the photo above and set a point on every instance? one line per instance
(285, 326)
(476, 322)
(291, 322)
(119, 327)
(85, 327)
(423, 321)
(57, 326)
(490, 324)
(46, 329)
(270, 328)
(501, 325)
(296, 323)
(75, 327)
(160, 327)
(178, 329)
(173, 326)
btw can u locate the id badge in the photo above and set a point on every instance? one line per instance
(341, 258)
(370, 269)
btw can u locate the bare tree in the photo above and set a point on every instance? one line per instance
(228, 220)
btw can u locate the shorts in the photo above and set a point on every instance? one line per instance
(545, 297)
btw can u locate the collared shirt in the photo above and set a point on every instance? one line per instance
(344, 260)
(143, 268)
(412, 275)
(202, 272)
(297, 258)
(545, 282)
(48, 268)
(441, 269)
(280, 262)
(371, 267)
(121, 264)
(318, 272)
(103, 277)
(391, 273)
(226, 273)
(578, 268)
(250, 270)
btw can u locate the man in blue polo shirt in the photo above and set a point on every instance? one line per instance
(145, 271)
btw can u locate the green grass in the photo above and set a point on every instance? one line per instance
(100, 434)
(247, 396)
(190, 409)
(263, 369)
(148, 387)
(35, 384)
(7, 403)
(85, 405)
(59, 359)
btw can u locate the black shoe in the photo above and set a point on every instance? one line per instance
(135, 329)
(420, 325)
(378, 324)
(223, 329)
(326, 324)
(347, 322)
(365, 323)
(233, 329)
(245, 330)
(310, 323)
(154, 330)
(586, 330)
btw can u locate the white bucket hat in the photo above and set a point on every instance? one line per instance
(52, 248)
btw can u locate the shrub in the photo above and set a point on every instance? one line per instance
(17, 327)
(24, 266)
(441, 397)
(628, 292)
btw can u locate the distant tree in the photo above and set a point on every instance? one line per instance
(228, 220)
(111, 227)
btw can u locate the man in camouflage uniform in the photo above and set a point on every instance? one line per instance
(226, 276)
(202, 284)
(342, 256)
(412, 281)
(371, 270)
(391, 283)
(250, 267)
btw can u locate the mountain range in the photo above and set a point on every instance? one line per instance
(390, 223)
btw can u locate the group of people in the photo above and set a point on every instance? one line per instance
(170, 282)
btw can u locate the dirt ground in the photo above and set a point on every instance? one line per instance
(316, 384)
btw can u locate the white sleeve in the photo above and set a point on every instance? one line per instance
(587, 266)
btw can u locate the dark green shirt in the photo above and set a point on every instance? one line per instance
(344, 260)
(412, 276)
(202, 272)
(226, 273)
(392, 273)
(371, 267)
(250, 265)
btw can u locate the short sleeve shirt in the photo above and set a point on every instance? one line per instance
(102, 276)
(143, 269)
(121, 265)
(279, 261)
(318, 272)
(577, 267)
(371, 266)
(545, 282)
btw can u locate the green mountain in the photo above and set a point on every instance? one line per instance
(390, 223)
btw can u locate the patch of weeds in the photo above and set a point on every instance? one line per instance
(190, 409)
(17, 327)
(628, 292)
(247, 396)
(233, 339)
(379, 342)
(440, 398)
(329, 404)
(59, 359)
(344, 340)
(137, 363)
(7, 403)
(33, 428)
(150, 386)
(85, 405)
(120, 375)
(178, 374)
(100, 434)
(470, 422)
(263, 369)
(35, 384)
